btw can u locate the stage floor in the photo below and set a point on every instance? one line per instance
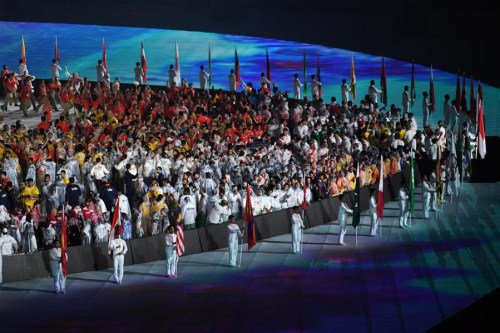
(406, 280)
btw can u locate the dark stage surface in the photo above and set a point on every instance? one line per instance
(403, 281)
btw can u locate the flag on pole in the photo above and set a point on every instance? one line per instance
(237, 69)
(472, 110)
(303, 205)
(356, 215)
(64, 244)
(318, 77)
(177, 66)
(248, 218)
(383, 82)
(180, 249)
(353, 79)
(412, 183)
(458, 97)
(432, 96)
(268, 67)
(439, 184)
(143, 63)
(114, 222)
(380, 199)
(463, 100)
(57, 56)
(209, 65)
(304, 72)
(413, 94)
(104, 60)
(23, 51)
(479, 98)
(481, 143)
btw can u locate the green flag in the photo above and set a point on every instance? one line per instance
(356, 216)
(412, 183)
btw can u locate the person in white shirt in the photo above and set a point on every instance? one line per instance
(342, 217)
(296, 86)
(406, 101)
(218, 209)
(427, 193)
(203, 78)
(234, 198)
(119, 248)
(170, 251)
(233, 236)
(264, 82)
(297, 227)
(373, 92)
(100, 71)
(373, 213)
(99, 173)
(138, 73)
(56, 267)
(172, 75)
(425, 108)
(345, 90)
(404, 209)
(232, 81)
(54, 69)
(188, 211)
(8, 246)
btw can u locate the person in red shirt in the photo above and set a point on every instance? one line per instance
(43, 125)
(62, 124)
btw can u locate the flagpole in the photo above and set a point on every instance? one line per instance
(356, 230)
(241, 248)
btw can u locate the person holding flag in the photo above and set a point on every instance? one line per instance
(404, 209)
(374, 219)
(342, 217)
(248, 217)
(170, 251)
(233, 236)
(297, 227)
(119, 248)
(55, 261)
(296, 86)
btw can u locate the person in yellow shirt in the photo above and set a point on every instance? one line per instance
(145, 213)
(29, 194)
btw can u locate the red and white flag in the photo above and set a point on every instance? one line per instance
(180, 237)
(57, 56)
(143, 63)
(114, 221)
(380, 199)
(481, 143)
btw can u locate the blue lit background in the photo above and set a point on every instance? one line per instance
(81, 46)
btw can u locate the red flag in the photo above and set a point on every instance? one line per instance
(383, 82)
(237, 69)
(472, 99)
(268, 67)
(458, 97)
(114, 221)
(318, 77)
(248, 218)
(56, 54)
(104, 61)
(64, 244)
(380, 198)
(303, 205)
(481, 144)
(432, 96)
(23, 51)
(180, 234)
(143, 63)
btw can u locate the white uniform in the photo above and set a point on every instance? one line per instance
(56, 269)
(373, 92)
(345, 90)
(405, 102)
(235, 203)
(342, 217)
(203, 79)
(8, 246)
(171, 254)
(188, 211)
(404, 209)
(297, 225)
(214, 216)
(427, 192)
(119, 248)
(373, 216)
(232, 82)
(296, 88)
(232, 242)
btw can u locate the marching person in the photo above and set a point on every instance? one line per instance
(119, 248)
(342, 217)
(427, 192)
(404, 209)
(373, 213)
(8, 246)
(233, 236)
(297, 227)
(171, 253)
(56, 267)
(296, 86)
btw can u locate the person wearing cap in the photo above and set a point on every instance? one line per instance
(56, 267)
(8, 246)
(119, 248)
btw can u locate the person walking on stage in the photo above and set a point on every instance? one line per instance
(56, 267)
(427, 193)
(119, 248)
(297, 226)
(170, 250)
(342, 217)
(233, 235)
(404, 209)
(373, 213)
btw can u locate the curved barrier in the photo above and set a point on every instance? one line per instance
(140, 250)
